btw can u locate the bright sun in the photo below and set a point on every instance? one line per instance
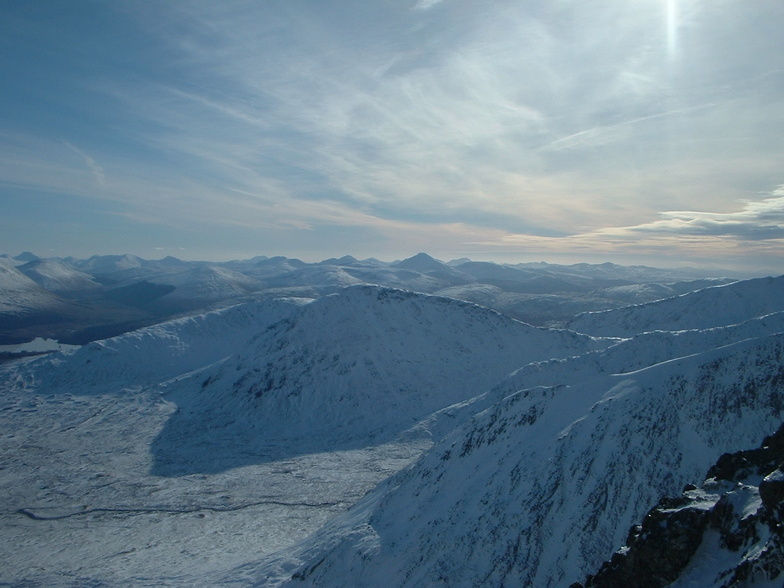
(672, 27)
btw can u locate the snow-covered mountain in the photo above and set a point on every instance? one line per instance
(422, 262)
(370, 362)
(540, 488)
(207, 284)
(154, 354)
(208, 450)
(320, 278)
(58, 277)
(149, 424)
(84, 501)
(123, 292)
(702, 309)
(25, 257)
(275, 266)
(727, 533)
(109, 264)
(614, 273)
(20, 294)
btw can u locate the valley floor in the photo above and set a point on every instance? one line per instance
(81, 508)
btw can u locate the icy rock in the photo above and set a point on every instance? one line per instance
(670, 546)
(742, 464)
(657, 550)
(771, 491)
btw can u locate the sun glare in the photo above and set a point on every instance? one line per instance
(672, 28)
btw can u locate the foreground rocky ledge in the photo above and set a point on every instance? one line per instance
(726, 533)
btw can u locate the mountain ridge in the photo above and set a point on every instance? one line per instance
(117, 296)
(704, 308)
(447, 536)
(362, 366)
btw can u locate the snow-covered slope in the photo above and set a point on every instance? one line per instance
(637, 293)
(422, 262)
(640, 351)
(208, 283)
(373, 361)
(727, 533)
(58, 277)
(110, 294)
(154, 354)
(108, 264)
(625, 356)
(19, 294)
(136, 460)
(84, 503)
(542, 487)
(275, 266)
(317, 276)
(709, 307)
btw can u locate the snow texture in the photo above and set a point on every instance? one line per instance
(226, 448)
(541, 488)
(702, 309)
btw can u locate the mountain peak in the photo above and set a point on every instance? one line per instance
(26, 256)
(422, 262)
(345, 260)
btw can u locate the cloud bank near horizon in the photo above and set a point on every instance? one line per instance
(385, 129)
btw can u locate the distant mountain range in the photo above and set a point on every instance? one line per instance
(81, 300)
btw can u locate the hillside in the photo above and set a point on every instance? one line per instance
(58, 277)
(19, 295)
(155, 354)
(359, 367)
(726, 533)
(701, 309)
(542, 487)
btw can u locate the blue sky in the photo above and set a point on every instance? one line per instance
(645, 131)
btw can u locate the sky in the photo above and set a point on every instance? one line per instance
(630, 131)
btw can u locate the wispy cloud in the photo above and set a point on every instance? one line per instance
(426, 4)
(44, 164)
(758, 220)
(95, 169)
(755, 231)
(621, 131)
(562, 125)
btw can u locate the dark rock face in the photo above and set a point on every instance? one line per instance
(744, 464)
(657, 550)
(771, 491)
(727, 506)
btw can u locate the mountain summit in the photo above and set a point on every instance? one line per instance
(422, 262)
(369, 363)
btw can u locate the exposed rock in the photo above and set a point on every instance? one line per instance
(741, 465)
(657, 550)
(740, 505)
(771, 491)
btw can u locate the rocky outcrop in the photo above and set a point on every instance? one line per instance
(727, 533)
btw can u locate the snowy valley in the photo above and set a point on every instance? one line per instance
(362, 423)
